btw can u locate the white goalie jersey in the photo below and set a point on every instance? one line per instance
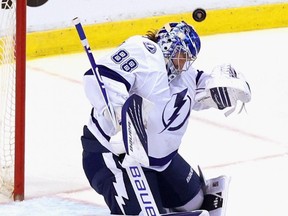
(137, 67)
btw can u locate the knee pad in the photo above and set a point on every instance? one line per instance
(193, 204)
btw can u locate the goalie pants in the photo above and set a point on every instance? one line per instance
(173, 187)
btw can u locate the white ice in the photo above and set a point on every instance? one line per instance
(251, 147)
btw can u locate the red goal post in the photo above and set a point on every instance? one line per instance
(12, 98)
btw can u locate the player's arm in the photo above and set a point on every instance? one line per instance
(117, 96)
(223, 89)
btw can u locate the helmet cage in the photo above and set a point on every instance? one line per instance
(180, 52)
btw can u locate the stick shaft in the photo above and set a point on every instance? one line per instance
(93, 64)
(141, 187)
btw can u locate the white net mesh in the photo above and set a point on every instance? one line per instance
(7, 95)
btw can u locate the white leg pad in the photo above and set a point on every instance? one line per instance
(215, 194)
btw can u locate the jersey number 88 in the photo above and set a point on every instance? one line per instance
(126, 63)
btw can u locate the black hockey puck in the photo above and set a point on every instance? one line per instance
(36, 3)
(199, 14)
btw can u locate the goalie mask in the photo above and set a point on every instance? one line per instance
(180, 45)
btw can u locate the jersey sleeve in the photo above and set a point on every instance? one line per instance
(117, 92)
(195, 80)
(201, 78)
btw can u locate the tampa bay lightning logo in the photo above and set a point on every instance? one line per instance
(176, 111)
(150, 47)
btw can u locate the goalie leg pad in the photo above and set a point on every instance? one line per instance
(215, 194)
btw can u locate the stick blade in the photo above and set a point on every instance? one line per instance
(193, 213)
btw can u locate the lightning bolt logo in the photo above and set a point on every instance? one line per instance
(119, 184)
(180, 101)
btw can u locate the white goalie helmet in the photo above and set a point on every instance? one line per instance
(175, 38)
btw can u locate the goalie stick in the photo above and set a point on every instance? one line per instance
(135, 141)
(86, 46)
(193, 213)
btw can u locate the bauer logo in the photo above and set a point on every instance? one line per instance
(130, 139)
(142, 187)
(188, 178)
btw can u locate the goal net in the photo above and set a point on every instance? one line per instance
(12, 98)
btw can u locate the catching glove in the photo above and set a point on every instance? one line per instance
(224, 89)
